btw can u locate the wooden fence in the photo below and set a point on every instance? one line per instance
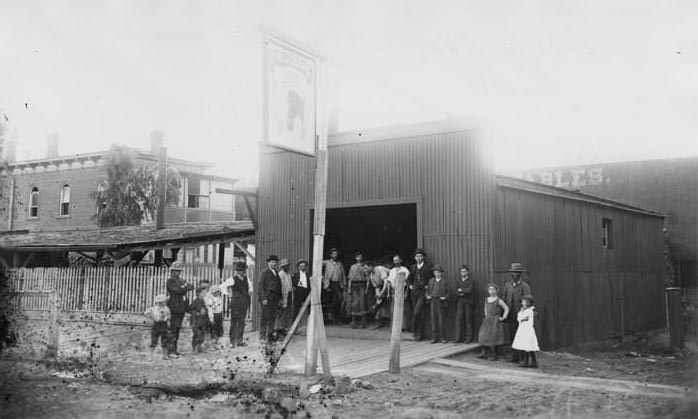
(690, 310)
(127, 290)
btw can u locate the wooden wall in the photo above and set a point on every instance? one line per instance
(581, 288)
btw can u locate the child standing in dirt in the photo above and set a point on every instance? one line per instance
(214, 307)
(199, 319)
(525, 339)
(160, 314)
(492, 333)
(437, 297)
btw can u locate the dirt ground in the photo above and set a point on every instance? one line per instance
(33, 389)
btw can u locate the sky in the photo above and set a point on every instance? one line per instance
(551, 82)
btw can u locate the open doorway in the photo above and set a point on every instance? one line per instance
(378, 231)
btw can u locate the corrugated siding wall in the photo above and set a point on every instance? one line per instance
(449, 173)
(579, 286)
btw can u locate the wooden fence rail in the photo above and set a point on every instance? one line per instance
(128, 290)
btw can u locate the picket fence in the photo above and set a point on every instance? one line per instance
(106, 289)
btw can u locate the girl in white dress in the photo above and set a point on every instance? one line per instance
(525, 339)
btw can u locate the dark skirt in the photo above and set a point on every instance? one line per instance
(492, 332)
(358, 299)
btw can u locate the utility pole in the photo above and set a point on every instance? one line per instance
(162, 199)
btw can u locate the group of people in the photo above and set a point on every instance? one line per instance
(368, 290)
(206, 312)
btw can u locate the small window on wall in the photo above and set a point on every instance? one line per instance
(65, 200)
(34, 202)
(607, 233)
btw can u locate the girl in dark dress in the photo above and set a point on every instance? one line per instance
(492, 332)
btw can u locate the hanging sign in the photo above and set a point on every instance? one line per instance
(290, 96)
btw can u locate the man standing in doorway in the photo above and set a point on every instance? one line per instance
(417, 282)
(269, 297)
(333, 281)
(178, 303)
(465, 303)
(358, 286)
(514, 291)
(238, 288)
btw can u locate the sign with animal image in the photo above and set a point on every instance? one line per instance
(290, 96)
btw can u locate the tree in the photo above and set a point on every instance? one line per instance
(130, 193)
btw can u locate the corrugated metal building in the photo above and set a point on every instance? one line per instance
(669, 186)
(429, 185)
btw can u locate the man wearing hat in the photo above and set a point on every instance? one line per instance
(333, 280)
(301, 285)
(178, 303)
(284, 316)
(514, 291)
(269, 297)
(417, 281)
(238, 288)
(437, 296)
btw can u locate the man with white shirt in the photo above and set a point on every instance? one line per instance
(301, 285)
(237, 287)
(391, 281)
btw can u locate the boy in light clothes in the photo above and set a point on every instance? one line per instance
(214, 308)
(160, 314)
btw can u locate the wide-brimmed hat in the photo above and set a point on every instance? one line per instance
(516, 267)
(334, 249)
(241, 266)
(161, 298)
(176, 266)
(284, 262)
(272, 258)
(419, 251)
(301, 261)
(437, 268)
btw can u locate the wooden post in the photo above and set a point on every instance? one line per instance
(315, 336)
(291, 332)
(675, 316)
(395, 334)
(54, 334)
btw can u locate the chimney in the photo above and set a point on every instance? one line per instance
(156, 141)
(11, 151)
(52, 146)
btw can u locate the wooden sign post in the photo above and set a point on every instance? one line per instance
(395, 334)
(316, 338)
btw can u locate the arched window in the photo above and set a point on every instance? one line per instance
(34, 202)
(65, 200)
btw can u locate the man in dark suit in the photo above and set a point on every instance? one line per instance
(417, 282)
(301, 285)
(514, 291)
(269, 297)
(178, 303)
(464, 291)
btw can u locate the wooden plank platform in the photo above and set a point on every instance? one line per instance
(363, 357)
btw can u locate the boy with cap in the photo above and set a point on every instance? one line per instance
(160, 314)
(199, 319)
(437, 294)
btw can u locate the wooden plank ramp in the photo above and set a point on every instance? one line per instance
(363, 357)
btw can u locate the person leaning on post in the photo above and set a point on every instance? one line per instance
(269, 297)
(514, 291)
(177, 302)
